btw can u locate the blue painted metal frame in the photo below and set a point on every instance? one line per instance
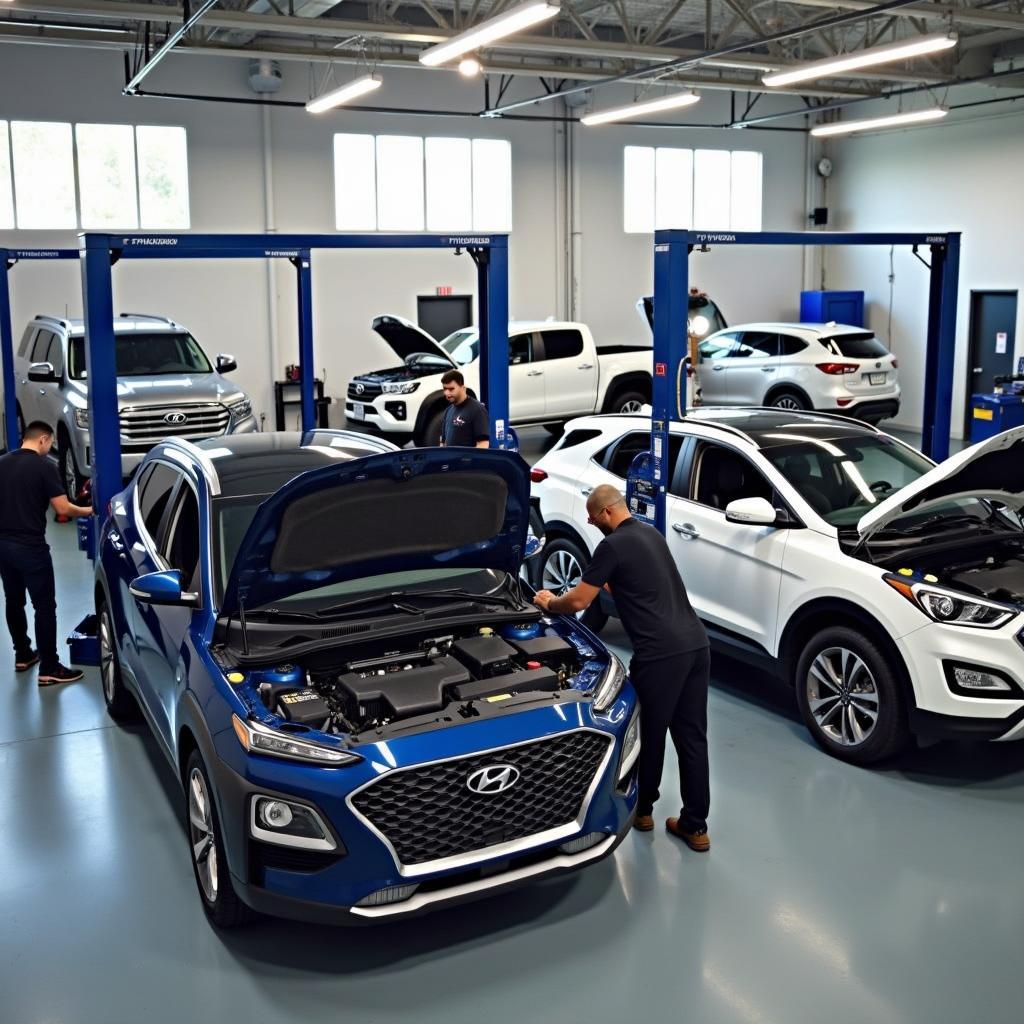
(100, 251)
(8, 259)
(672, 249)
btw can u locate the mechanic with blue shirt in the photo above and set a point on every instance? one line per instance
(30, 484)
(671, 657)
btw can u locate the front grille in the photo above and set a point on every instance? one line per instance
(429, 813)
(368, 394)
(152, 425)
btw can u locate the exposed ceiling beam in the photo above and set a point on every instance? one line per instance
(962, 15)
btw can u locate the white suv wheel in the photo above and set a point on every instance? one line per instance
(842, 696)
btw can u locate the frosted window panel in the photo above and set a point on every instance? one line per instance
(163, 177)
(747, 180)
(711, 176)
(355, 183)
(449, 164)
(673, 189)
(399, 183)
(106, 176)
(492, 185)
(44, 174)
(638, 189)
(6, 189)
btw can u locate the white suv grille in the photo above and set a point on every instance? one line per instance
(192, 422)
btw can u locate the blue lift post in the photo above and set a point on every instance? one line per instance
(8, 259)
(672, 249)
(100, 251)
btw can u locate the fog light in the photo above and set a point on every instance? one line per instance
(586, 842)
(275, 814)
(976, 679)
(382, 897)
(288, 824)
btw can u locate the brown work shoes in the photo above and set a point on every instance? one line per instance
(644, 823)
(699, 840)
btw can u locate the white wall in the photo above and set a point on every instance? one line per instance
(228, 304)
(959, 175)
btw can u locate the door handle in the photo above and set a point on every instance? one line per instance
(585, 366)
(687, 530)
(42, 391)
(717, 367)
(767, 369)
(24, 380)
(978, 369)
(535, 373)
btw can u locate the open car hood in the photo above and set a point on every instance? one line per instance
(418, 509)
(993, 469)
(406, 339)
(645, 308)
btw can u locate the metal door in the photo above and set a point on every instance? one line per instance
(993, 335)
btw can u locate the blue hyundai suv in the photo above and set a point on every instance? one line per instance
(331, 642)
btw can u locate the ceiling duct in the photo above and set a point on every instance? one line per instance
(264, 76)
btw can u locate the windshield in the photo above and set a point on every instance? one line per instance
(463, 346)
(145, 355)
(855, 346)
(842, 479)
(232, 517)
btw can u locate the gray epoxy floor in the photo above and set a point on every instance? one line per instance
(831, 893)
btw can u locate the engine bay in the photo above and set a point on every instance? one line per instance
(458, 675)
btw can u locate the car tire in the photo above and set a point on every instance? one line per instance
(791, 401)
(430, 436)
(843, 678)
(72, 480)
(628, 402)
(561, 565)
(206, 848)
(120, 701)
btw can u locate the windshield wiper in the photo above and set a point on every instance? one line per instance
(402, 600)
(934, 520)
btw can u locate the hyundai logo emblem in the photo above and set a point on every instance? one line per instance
(360, 388)
(493, 779)
(175, 417)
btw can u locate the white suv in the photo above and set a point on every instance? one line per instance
(887, 590)
(845, 370)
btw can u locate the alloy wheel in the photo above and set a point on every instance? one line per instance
(201, 834)
(70, 477)
(108, 667)
(842, 696)
(631, 406)
(789, 403)
(561, 572)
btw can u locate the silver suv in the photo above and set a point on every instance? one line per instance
(166, 387)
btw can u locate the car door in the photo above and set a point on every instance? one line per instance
(32, 392)
(732, 572)
(570, 372)
(526, 387)
(51, 396)
(752, 365)
(712, 370)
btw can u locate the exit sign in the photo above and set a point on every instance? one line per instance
(444, 289)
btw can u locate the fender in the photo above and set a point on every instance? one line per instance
(428, 406)
(789, 387)
(637, 378)
(558, 527)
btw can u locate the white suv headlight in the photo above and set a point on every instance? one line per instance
(610, 686)
(240, 409)
(82, 419)
(951, 607)
(401, 387)
(258, 739)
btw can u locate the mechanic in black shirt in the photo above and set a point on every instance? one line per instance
(465, 423)
(29, 484)
(671, 657)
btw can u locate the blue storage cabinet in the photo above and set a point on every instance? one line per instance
(992, 414)
(825, 307)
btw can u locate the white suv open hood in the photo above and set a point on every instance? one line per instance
(406, 339)
(993, 469)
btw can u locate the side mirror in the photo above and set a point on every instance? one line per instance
(162, 588)
(226, 363)
(534, 546)
(751, 512)
(42, 373)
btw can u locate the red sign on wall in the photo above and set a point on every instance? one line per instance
(660, 369)
(444, 289)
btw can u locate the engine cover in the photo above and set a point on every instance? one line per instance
(405, 691)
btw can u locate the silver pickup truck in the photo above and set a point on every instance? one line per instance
(166, 386)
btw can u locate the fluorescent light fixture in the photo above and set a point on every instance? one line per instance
(344, 93)
(489, 31)
(830, 67)
(678, 99)
(892, 121)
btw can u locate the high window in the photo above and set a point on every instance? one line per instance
(699, 189)
(409, 183)
(55, 175)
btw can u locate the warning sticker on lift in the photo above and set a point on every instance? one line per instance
(660, 369)
(983, 414)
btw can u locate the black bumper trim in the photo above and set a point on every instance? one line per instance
(934, 726)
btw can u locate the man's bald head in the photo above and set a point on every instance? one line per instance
(606, 508)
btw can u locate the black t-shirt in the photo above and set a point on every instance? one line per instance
(648, 590)
(465, 424)
(28, 481)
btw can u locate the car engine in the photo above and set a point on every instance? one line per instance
(450, 673)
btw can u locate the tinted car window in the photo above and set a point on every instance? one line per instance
(26, 343)
(855, 346)
(181, 547)
(146, 355)
(41, 347)
(55, 354)
(575, 437)
(757, 345)
(718, 347)
(562, 344)
(722, 476)
(620, 454)
(791, 346)
(155, 492)
(519, 349)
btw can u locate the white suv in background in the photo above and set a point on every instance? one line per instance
(829, 367)
(887, 590)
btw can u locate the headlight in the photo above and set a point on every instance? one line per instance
(610, 686)
(401, 388)
(241, 409)
(630, 746)
(951, 607)
(258, 739)
(82, 419)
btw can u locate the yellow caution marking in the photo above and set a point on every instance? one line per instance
(983, 414)
(498, 697)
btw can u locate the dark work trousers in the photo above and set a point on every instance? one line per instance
(26, 567)
(674, 698)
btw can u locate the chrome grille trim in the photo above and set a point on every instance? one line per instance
(148, 424)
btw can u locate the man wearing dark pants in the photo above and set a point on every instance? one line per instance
(29, 484)
(671, 661)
